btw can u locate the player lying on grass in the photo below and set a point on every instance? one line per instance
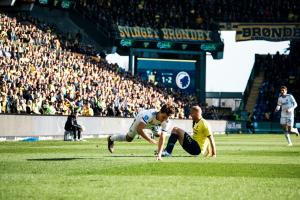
(202, 139)
(287, 103)
(152, 119)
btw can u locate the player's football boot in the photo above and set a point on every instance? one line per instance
(165, 154)
(295, 130)
(110, 145)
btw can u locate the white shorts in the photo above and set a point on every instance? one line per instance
(133, 129)
(132, 132)
(287, 121)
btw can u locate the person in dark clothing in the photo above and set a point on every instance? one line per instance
(249, 124)
(72, 126)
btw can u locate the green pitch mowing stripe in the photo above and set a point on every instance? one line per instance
(247, 167)
(207, 169)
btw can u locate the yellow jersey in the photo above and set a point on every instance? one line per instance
(201, 130)
(87, 112)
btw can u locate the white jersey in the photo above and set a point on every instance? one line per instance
(287, 102)
(148, 117)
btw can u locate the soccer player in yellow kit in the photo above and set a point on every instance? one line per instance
(202, 139)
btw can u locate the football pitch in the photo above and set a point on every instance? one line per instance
(246, 167)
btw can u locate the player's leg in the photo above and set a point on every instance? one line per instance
(185, 140)
(287, 135)
(121, 138)
(285, 128)
(292, 129)
(176, 134)
(190, 145)
(290, 124)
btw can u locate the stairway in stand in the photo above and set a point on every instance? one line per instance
(257, 82)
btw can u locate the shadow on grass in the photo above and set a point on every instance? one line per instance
(88, 158)
(56, 159)
(143, 156)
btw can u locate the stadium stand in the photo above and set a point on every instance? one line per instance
(200, 14)
(41, 74)
(44, 71)
(278, 70)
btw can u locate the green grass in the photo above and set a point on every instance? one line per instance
(247, 167)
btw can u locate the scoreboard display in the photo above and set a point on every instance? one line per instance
(170, 73)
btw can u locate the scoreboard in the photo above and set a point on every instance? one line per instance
(170, 73)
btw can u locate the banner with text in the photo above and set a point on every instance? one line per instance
(176, 35)
(269, 32)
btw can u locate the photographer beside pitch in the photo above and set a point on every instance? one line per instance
(202, 139)
(72, 125)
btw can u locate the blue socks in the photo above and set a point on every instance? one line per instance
(171, 143)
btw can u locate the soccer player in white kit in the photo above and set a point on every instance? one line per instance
(287, 103)
(156, 121)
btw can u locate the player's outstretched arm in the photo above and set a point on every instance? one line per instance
(140, 131)
(161, 142)
(213, 145)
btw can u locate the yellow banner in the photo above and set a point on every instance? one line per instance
(270, 32)
(178, 35)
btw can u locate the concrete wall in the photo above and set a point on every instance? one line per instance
(39, 126)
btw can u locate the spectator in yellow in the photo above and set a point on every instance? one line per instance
(87, 110)
(3, 102)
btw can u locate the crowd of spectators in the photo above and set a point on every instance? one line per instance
(196, 14)
(278, 70)
(40, 74)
